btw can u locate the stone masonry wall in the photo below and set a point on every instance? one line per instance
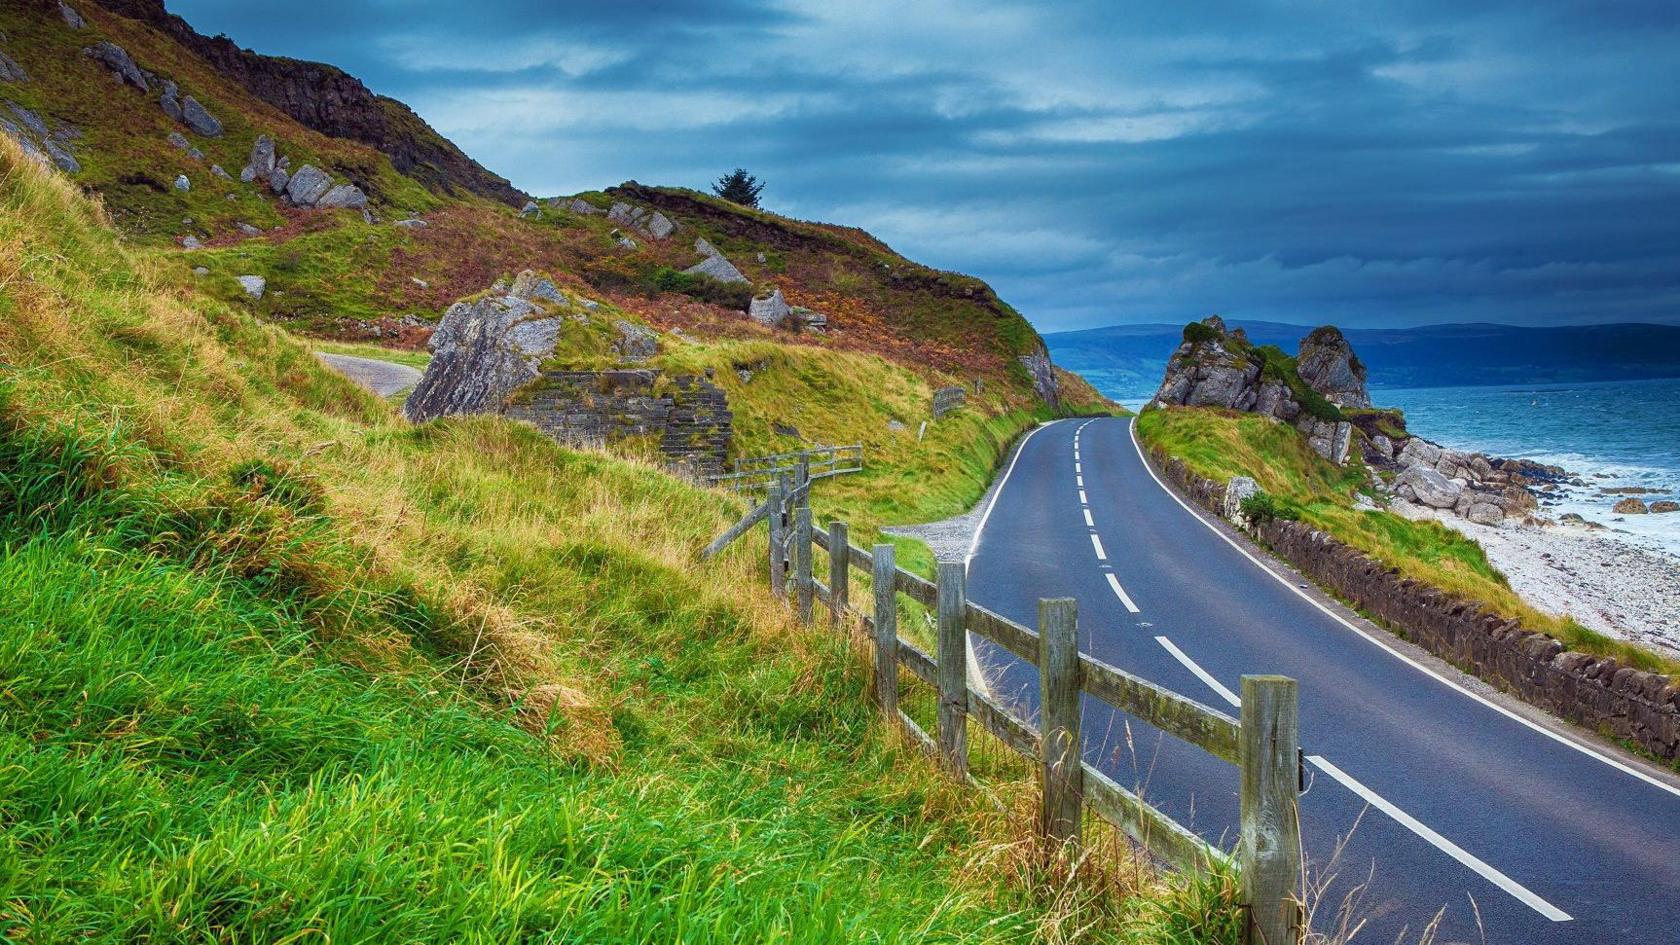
(690, 415)
(1596, 693)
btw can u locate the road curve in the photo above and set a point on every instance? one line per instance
(1453, 802)
(382, 377)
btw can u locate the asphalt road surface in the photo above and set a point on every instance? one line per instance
(382, 377)
(1447, 799)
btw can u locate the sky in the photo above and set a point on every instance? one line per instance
(1363, 163)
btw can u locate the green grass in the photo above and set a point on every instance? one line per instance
(277, 666)
(1218, 445)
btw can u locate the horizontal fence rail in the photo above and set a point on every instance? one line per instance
(1263, 744)
(756, 473)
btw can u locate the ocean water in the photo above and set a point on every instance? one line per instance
(1617, 433)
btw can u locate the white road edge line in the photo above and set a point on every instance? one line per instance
(1201, 673)
(974, 543)
(1096, 543)
(1131, 428)
(1088, 522)
(1516, 889)
(1120, 592)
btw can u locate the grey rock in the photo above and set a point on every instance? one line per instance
(343, 195)
(411, 224)
(191, 242)
(583, 206)
(172, 107)
(1383, 445)
(308, 185)
(31, 122)
(622, 214)
(1329, 438)
(1237, 490)
(181, 183)
(809, 318)
(531, 285)
(201, 271)
(716, 267)
(247, 174)
(279, 180)
(261, 162)
(254, 286)
(71, 18)
(1418, 450)
(895, 425)
(1043, 375)
(1485, 513)
(626, 241)
(199, 119)
(530, 210)
(195, 154)
(704, 248)
(482, 351)
(761, 258)
(770, 310)
(635, 342)
(1328, 365)
(247, 229)
(1429, 487)
(216, 169)
(659, 226)
(10, 71)
(118, 61)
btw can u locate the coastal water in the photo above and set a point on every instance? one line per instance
(1610, 434)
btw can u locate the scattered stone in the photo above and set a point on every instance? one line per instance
(762, 258)
(714, 266)
(279, 180)
(704, 248)
(579, 205)
(119, 62)
(622, 213)
(216, 169)
(200, 271)
(1631, 506)
(785, 429)
(659, 226)
(531, 285)
(420, 282)
(635, 342)
(947, 399)
(1422, 484)
(308, 185)
(71, 18)
(170, 104)
(626, 241)
(769, 310)
(342, 195)
(530, 210)
(191, 242)
(10, 71)
(1665, 505)
(254, 286)
(1239, 489)
(247, 229)
(199, 119)
(413, 223)
(182, 184)
(809, 318)
(896, 426)
(261, 162)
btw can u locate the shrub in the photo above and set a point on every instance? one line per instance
(1262, 507)
(737, 295)
(1198, 333)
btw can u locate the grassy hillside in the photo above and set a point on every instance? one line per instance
(1220, 444)
(276, 662)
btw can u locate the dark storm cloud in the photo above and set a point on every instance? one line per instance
(1362, 163)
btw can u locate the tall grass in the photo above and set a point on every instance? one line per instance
(278, 667)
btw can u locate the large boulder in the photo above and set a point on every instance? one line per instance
(1424, 485)
(483, 350)
(343, 195)
(10, 71)
(1043, 375)
(308, 185)
(118, 61)
(1237, 491)
(1328, 365)
(199, 119)
(1206, 372)
(531, 286)
(261, 163)
(769, 310)
(714, 266)
(1631, 506)
(254, 286)
(635, 342)
(1330, 439)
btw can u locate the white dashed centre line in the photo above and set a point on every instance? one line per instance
(1097, 544)
(1201, 673)
(1082, 500)
(1120, 592)
(1088, 522)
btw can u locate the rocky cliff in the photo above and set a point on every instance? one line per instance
(335, 103)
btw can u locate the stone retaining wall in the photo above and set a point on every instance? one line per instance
(689, 414)
(1596, 693)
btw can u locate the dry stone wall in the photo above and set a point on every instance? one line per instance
(1596, 693)
(688, 414)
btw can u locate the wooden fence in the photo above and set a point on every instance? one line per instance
(1263, 743)
(757, 473)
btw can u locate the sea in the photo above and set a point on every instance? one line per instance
(1609, 434)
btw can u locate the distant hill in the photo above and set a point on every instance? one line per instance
(1126, 361)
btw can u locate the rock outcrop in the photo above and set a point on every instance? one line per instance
(714, 265)
(41, 141)
(483, 350)
(1328, 365)
(121, 64)
(10, 71)
(1043, 375)
(334, 103)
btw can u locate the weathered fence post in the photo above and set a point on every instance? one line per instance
(953, 668)
(802, 561)
(839, 572)
(886, 631)
(1058, 674)
(1270, 834)
(777, 498)
(802, 472)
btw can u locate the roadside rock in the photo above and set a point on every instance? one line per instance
(1631, 507)
(254, 286)
(482, 351)
(119, 62)
(1043, 375)
(769, 310)
(947, 399)
(1237, 490)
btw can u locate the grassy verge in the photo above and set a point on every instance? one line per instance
(278, 667)
(413, 359)
(1219, 445)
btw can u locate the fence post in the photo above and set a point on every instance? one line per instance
(839, 572)
(775, 520)
(1270, 833)
(886, 631)
(1058, 674)
(802, 561)
(953, 668)
(802, 472)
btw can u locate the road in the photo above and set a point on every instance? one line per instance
(1521, 833)
(382, 377)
